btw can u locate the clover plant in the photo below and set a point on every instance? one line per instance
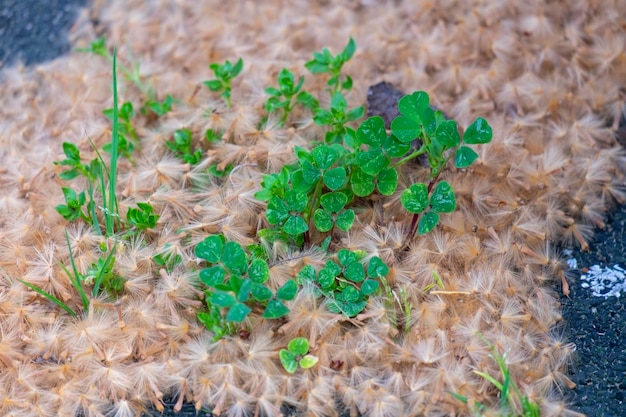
(297, 354)
(438, 135)
(346, 283)
(236, 282)
(180, 145)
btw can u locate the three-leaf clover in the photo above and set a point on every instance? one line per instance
(285, 212)
(415, 200)
(297, 354)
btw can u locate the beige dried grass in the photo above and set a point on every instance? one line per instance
(546, 75)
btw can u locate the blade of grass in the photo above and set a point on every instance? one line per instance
(75, 279)
(98, 280)
(50, 297)
(111, 206)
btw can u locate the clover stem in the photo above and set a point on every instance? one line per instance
(414, 220)
(406, 159)
(413, 226)
(315, 202)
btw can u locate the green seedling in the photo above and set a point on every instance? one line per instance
(167, 259)
(101, 275)
(160, 108)
(132, 74)
(127, 134)
(213, 136)
(224, 74)
(214, 321)
(73, 207)
(98, 176)
(325, 62)
(346, 283)
(337, 117)
(316, 191)
(181, 144)
(281, 98)
(512, 401)
(236, 282)
(142, 217)
(297, 354)
(220, 173)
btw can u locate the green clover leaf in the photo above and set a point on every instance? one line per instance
(478, 132)
(258, 271)
(372, 162)
(362, 184)
(442, 199)
(369, 286)
(335, 178)
(234, 258)
(325, 156)
(412, 105)
(354, 272)
(372, 131)
(275, 309)
(345, 220)
(406, 129)
(387, 181)
(295, 225)
(377, 268)
(464, 157)
(447, 134)
(210, 248)
(212, 276)
(427, 223)
(333, 202)
(415, 198)
(323, 220)
(288, 291)
(238, 312)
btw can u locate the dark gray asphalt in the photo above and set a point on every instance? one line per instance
(34, 31)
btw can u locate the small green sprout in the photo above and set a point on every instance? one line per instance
(167, 259)
(97, 47)
(512, 401)
(213, 136)
(180, 145)
(337, 117)
(100, 177)
(126, 129)
(281, 98)
(132, 74)
(100, 274)
(160, 108)
(297, 354)
(215, 171)
(325, 62)
(73, 207)
(224, 74)
(142, 217)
